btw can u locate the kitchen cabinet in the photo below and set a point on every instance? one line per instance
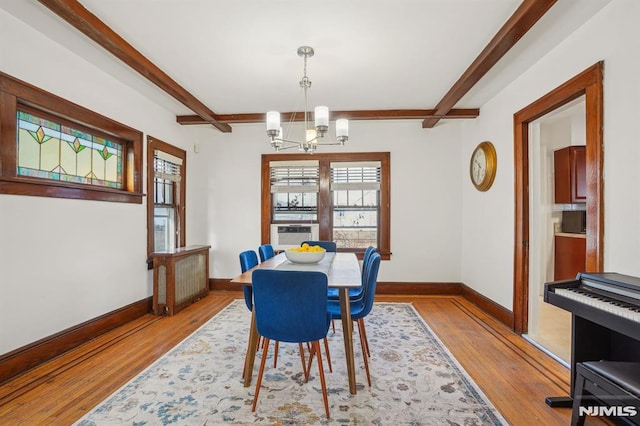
(569, 255)
(570, 167)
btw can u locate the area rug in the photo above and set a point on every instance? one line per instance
(415, 380)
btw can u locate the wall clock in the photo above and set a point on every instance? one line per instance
(482, 167)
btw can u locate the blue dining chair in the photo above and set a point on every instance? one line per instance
(329, 246)
(248, 260)
(266, 252)
(355, 293)
(360, 308)
(291, 306)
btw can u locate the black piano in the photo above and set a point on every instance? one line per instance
(605, 316)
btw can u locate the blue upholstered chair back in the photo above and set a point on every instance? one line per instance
(329, 246)
(291, 306)
(266, 252)
(369, 288)
(365, 262)
(355, 293)
(248, 259)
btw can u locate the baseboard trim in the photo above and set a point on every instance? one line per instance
(422, 289)
(36, 353)
(497, 311)
(492, 308)
(223, 284)
(22, 359)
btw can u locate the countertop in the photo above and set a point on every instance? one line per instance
(569, 234)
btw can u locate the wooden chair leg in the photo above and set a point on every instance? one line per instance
(308, 370)
(259, 382)
(326, 350)
(363, 344)
(363, 330)
(316, 345)
(275, 354)
(304, 365)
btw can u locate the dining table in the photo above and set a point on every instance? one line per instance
(343, 273)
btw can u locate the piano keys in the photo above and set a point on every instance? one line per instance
(605, 310)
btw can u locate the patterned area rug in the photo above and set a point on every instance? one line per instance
(415, 380)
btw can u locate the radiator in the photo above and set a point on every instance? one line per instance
(180, 277)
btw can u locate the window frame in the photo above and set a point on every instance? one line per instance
(16, 94)
(154, 144)
(325, 210)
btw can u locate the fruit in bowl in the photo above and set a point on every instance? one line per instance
(305, 254)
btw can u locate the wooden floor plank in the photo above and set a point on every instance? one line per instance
(490, 357)
(514, 374)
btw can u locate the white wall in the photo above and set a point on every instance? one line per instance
(488, 218)
(425, 196)
(63, 261)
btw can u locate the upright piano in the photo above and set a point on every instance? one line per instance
(605, 310)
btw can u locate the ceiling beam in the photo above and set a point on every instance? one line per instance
(527, 14)
(91, 26)
(390, 114)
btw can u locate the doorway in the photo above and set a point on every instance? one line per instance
(559, 131)
(587, 84)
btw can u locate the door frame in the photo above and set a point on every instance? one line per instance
(590, 84)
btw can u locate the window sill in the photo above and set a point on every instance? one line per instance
(46, 188)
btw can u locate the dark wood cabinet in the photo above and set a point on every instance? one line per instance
(569, 256)
(570, 166)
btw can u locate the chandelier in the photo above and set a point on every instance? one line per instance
(314, 134)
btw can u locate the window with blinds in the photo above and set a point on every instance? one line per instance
(355, 193)
(166, 173)
(346, 195)
(294, 190)
(166, 187)
(166, 196)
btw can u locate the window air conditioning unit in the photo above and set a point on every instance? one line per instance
(288, 236)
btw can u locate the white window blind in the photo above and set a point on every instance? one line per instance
(294, 176)
(166, 166)
(362, 175)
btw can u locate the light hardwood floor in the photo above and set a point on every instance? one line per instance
(513, 374)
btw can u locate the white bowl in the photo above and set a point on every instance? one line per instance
(305, 256)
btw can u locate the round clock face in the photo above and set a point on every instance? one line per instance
(482, 166)
(478, 166)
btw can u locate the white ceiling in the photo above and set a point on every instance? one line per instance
(240, 56)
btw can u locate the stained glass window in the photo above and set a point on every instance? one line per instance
(53, 150)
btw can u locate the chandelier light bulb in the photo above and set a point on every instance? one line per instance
(342, 128)
(321, 115)
(273, 120)
(312, 135)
